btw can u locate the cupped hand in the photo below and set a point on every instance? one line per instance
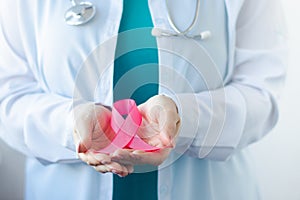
(92, 131)
(160, 122)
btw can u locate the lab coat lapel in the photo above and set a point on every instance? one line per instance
(233, 8)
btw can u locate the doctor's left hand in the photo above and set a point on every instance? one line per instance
(92, 131)
(159, 128)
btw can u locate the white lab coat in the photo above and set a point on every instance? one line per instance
(38, 50)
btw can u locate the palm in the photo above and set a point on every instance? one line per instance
(151, 129)
(102, 133)
(92, 129)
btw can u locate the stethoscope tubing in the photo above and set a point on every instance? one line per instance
(190, 27)
(77, 15)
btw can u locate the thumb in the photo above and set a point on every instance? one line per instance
(168, 134)
(82, 144)
(82, 148)
(167, 140)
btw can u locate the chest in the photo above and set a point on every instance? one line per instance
(56, 51)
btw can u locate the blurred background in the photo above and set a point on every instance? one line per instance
(277, 156)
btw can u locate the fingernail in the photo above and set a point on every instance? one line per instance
(116, 173)
(105, 162)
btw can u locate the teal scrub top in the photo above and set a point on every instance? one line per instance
(140, 63)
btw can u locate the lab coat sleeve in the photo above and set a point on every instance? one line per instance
(228, 119)
(36, 123)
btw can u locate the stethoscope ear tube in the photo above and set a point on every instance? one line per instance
(158, 32)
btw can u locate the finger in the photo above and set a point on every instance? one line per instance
(118, 169)
(156, 142)
(102, 168)
(124, 156)
(92, 160)
(130, 168)
(88, 158)
(114, 168)
(83, 157)
(102, 158)
(153, 158)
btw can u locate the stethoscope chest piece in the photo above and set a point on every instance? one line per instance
(80, 13)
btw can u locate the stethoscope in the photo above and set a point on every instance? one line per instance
(82, 12)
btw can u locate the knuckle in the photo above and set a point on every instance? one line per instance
(157, 163)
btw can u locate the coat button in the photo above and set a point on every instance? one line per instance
(163, 189)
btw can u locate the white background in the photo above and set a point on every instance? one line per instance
(277, 156)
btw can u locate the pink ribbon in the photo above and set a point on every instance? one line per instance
(125, 121)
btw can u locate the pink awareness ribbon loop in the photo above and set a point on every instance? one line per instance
(126, 128)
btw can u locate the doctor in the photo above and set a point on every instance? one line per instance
(216, 95)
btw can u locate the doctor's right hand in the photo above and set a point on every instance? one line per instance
(92, 131)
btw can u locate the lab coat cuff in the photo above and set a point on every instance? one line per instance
(212, 125)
